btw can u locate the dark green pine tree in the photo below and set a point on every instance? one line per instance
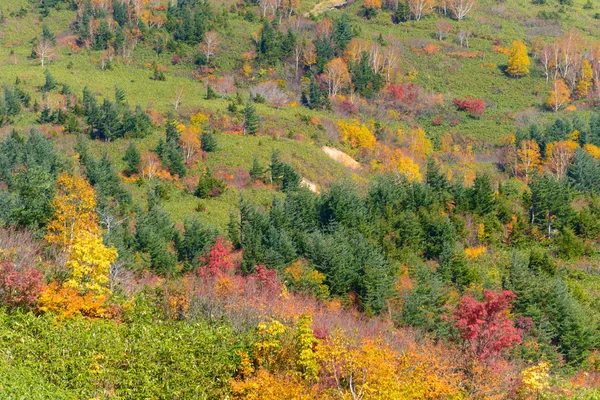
(482, 195)
(210, 93)
(342, 33)
(50, 82)
(208, 142)
(47, 34)
(584, 172)
(132, 159)
(315, 97)
(257, 172)
(366, 81)
(269, 44)
(434, 176)
(250, 119)
(233, 229)
(172, 134)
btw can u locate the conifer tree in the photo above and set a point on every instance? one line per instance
(132, 158)
(50, 82)
(250, 119)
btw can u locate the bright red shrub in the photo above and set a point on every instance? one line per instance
(218, 260)
(19, 287)
(485, 326)
(267, 279)
(475, 107)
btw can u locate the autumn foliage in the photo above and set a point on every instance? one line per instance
(19, 286)
(485, 326)
(475, 107)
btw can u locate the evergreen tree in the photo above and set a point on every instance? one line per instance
(233, 230)
(434, 176)
(250, 119)
(482, 195)
(47, 34)
(257, 172)
(584, 172)
(269, 44)
(132, 158)
(342, 33)
(50, 82)
(208, 142)
(366, 81)
(315, 96)
(210, 93)
(209, 186)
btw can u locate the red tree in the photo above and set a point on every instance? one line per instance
(485, 326)
(218, 260)
(19, 287)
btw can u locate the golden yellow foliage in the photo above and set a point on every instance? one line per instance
(518, 60)
(408, 168)
(584, 83)
(357, 134)
(74, 207)
(373, 370)
(475, 252)
(558, 96)
(267, 386)
(375, 4)
(67, 302)
(199, 119)
(592, 150)
(535, 379)
(420, 145)
(76, 231)
(528, 158)
(89, 261)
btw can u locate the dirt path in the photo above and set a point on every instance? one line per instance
(341, 157)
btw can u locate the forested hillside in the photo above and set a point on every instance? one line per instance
(299, 199)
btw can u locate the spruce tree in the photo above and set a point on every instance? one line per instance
(208, 142)
(257, 172)
(50, 82)
(250, 119)
(132, 158)
(210, 93)
(315, 98)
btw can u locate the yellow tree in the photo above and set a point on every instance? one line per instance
(518, 60)
(406, 167)
(74, 207)
(420, 145)
(528, 156)
(76, 232)
(559, 95)
(584, 83)
(336, 75)
(89, 261)
(559, 156)
(357, 134)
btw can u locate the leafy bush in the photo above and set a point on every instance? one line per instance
(475, 107)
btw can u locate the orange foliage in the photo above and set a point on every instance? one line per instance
(431, 49)
(68, 302)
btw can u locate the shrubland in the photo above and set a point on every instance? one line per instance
(299, 199)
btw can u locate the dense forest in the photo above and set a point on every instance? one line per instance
(299, 199)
